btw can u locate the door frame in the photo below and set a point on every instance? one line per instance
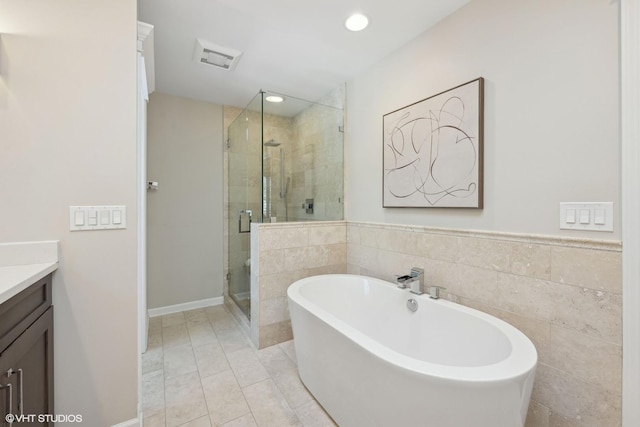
(630, 197)
(145, 41)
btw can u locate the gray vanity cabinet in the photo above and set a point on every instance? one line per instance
(26, 356)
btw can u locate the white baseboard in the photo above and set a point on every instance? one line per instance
(134, 422)
(160, 311)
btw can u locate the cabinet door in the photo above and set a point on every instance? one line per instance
(28, 365)
(8, 391)
(20, 311)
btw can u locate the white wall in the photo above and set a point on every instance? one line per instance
(185, 232)
(552, 132)
(68, 137)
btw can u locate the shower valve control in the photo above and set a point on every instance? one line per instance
(308, 206)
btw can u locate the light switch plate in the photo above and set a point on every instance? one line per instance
(592, 216)
(97, 218)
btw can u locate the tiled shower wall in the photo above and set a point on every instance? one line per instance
(564, 294)
(318, 153)
(282, 253)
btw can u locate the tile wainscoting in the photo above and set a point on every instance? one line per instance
(564, 293)
(282, 253)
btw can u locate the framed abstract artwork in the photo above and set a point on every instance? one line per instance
(432, 151)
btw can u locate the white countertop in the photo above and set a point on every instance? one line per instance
(22, 264)
(17, 278)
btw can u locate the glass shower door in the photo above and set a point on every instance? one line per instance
(285, 163)
(244, 206)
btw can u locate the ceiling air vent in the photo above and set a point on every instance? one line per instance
(217, 56)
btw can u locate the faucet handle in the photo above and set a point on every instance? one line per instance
(401, 281)
(434, 291)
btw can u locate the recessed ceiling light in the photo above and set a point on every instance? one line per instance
(274, 98)
(357, 22)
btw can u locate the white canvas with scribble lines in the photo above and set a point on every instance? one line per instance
(433, 151)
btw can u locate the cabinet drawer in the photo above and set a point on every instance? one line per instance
(20, 311)
(26, 382)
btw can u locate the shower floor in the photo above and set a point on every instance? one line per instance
(243, 301)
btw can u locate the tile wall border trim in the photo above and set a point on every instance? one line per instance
(300, 224)
(603, 245)
(540, 239)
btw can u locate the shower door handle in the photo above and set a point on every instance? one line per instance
(244, 221)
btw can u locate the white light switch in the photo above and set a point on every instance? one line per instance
(78, 217)
(97, 217)
(93, 217)
(586, 216)
(571, 216)
(105, 217)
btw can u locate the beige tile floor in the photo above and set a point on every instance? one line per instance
(200, 370)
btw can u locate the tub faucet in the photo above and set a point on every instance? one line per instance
(415, 281)
(434, 292)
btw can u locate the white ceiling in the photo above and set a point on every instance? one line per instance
(295, 47)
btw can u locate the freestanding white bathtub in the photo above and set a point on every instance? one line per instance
(370, 361)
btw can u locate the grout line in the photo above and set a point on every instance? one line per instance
(226, 356)
(255, 420)
(195, 361)
(295, 362)
(224, 353)
(164, 390)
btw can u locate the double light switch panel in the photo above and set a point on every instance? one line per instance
(586, 216)
(97, 217)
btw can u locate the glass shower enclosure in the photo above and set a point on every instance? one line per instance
(285, 163)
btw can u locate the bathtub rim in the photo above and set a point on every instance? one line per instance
(521, 362)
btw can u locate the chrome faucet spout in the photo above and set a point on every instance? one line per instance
(414, 281)
(417, 281)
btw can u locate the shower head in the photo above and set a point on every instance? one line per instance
(271, 143)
